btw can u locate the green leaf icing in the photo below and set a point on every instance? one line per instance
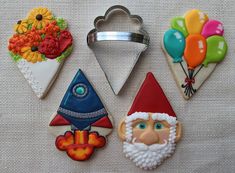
(61, 23)
(29, 26)
(15, 57)
(65, 54)
(44, 58)
(43, 36)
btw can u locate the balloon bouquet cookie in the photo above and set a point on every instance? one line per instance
(193, 46)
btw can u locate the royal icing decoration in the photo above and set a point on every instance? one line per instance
(150, 130)
(81, 122)
(39, 47)
(193, 42)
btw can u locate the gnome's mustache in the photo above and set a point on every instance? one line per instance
(144, 147)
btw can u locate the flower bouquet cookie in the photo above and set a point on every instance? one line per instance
(39, 46)
(193, 46)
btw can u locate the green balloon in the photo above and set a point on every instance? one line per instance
(178, 23)
(216, 50)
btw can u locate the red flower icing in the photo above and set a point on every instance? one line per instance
(50, 47)
(30, 38)
(51, 29)
(65, 40)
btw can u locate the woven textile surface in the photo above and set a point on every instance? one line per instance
(208, 142)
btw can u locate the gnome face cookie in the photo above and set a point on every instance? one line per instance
(81, 123)
(150, 130)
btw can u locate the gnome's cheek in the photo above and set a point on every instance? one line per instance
(164, 135)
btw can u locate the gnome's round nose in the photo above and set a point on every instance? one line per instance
(149, 137)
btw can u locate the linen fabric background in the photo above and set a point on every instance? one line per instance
(208, 142)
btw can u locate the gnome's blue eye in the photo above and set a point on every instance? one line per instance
(158, 126)
(141, 125)
(80, 90)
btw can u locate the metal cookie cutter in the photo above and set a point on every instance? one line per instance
(117, 41)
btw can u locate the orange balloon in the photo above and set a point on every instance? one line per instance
(195, 50)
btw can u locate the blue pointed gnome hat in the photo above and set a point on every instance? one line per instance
(81, 106)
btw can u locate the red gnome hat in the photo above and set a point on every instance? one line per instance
(151, 98)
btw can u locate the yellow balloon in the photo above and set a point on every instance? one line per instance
(194, 20)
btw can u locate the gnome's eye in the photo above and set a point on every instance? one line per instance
(141, 125)
(158, 125)
(80, 90)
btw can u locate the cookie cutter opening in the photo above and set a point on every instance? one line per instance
(117, 41)
(96, 35)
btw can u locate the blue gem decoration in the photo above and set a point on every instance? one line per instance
(80, 90)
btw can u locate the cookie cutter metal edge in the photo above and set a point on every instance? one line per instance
(95, 36)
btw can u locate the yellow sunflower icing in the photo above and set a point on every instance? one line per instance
(31, 54)
(39, 17)
(21, 26)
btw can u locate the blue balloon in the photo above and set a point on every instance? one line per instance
(174, 43)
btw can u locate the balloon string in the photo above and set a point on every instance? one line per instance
(183, 69)
(198, 71)
(189, 90)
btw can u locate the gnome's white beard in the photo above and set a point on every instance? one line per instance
(150, 156)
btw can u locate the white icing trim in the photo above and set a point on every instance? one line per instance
(25, 70)
(146, 158)
(155, 116)
(136, 115)
(163, 116)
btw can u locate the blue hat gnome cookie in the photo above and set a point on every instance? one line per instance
(193, 46)
(39, 47)
(81, 122)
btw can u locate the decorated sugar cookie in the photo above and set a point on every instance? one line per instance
(81, 122)
(193, 46)
(39, 46)
(150, 130)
